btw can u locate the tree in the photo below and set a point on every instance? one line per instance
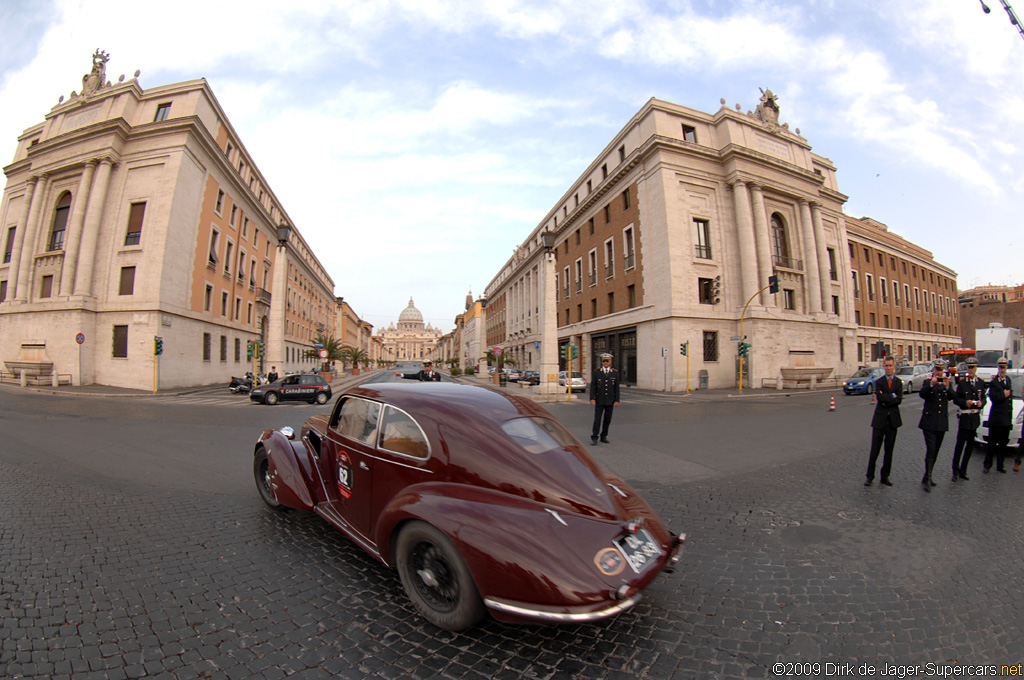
(334, 349)
(498, 361)
(357, 356)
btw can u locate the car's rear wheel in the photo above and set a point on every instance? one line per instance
(436, 579)
(910, 387)
(270, 398)
(871, 388)
(261, 471)
(321, 398)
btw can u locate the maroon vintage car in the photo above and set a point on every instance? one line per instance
(482, 501)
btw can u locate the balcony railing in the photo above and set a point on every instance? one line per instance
(630, 261)
(609, 271)
(593, 279)
(787, 262)
(703, 252)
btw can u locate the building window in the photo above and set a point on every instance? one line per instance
(609, 259)
(874, 321)
(593, 308)
(578, 241)
(212, 261)
(705, 291)
(856, 285)
(590, 186)
(870, 282)
(710, 345)
(856, 316)
(248, 313)
(238, 309)
(835, 305)
(625, 200)
(885, 320)
(228, 150)
(9, 246)
(234, 214)
(628, 246)
(833, 271)
(127, 286)
(604, 171)
(590, 224)
(895, 293)
(702, 239)
(592, 262)
(162, 112)
(607, 213)
(136, 214)
(60, 222)
(631, 291)
(789, 298)
(228, 249)
(689, 133)
(238, 350)
(3, 290)
(120, 344)
(780, 248)
(622, 153)
(46, 289)
(611, 302)
(223, 348)
(579, 275)
(883, 286)
(224, 303)
(207, 342)
(219, 207)
(207, 298)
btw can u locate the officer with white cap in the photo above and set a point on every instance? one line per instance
(937, 393)
(604, 397)
(1000, 416)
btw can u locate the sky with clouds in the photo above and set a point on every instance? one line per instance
(415, 143)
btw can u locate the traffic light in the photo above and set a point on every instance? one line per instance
(743, 348)
(683, 347)
(574, 351)
(249, 345)
(259, 349)
(716, 290)
(773, 284)
(565, 351)
(158, 345)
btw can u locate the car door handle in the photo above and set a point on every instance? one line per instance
(364, 465)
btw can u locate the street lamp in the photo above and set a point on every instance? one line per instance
(1009, 11)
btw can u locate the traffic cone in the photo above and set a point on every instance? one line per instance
(872, 397)
(832, 404)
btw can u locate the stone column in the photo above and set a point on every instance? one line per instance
(31, 195)
(91, 229)
(763, 236)
(822, 254)
(548, 327)
(812, 283)
(67, 277)
(28, 245)
(745, 235)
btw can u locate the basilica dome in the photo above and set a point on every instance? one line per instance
(410, 314)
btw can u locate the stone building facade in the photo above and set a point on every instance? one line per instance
(410, 339)
(903, 298)
(670, 236)
(130, 215)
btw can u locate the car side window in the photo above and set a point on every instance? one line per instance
(357, 419)
(401, 434)
(291, 380)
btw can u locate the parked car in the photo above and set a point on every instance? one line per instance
(1017, 379)
(482, 501)
(530, 377)
(914, 376)
(298, 387)
(863, 381)
(578, 383)
(512, 374)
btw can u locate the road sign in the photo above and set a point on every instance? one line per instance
(323, 354)
(734, 338)
(318, 345)
(80, 338)
(498, 351)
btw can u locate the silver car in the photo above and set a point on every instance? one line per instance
(914, 376)
(578, 383)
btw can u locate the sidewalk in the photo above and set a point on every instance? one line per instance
(339, 383)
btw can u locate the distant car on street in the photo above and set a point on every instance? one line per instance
(530, 377)
(308, 387)
(863, 381)
(578, 383)
(914, 376)
(512, 375)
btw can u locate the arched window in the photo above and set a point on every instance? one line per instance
(60, 222)
(780, 248)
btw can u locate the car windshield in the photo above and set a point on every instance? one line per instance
(577, 374)
(865, 373)
(537, 435)
(906, 370)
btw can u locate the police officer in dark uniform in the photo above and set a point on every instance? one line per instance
(428, 374)
(604, 397)
(1000, 416)
(970, 397)
(937, 393)
(885, 421)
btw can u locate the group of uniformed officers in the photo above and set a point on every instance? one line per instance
(969, 393)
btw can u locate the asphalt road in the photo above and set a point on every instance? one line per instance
(134, 545)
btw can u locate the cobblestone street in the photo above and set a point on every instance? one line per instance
(794, 563)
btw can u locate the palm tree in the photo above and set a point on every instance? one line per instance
(498, 361)
(334, 351)
(356, 355)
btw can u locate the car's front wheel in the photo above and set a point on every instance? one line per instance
(910, 387)
(436, 579)
(270, 398)
(261, 471)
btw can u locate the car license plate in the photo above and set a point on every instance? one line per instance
(639, 549)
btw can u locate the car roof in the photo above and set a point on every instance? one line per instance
(440, 400)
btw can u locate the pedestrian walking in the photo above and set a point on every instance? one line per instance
(1000, 416)
(937, 393)
(886, 421)
(604, 397)
(970, 397)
